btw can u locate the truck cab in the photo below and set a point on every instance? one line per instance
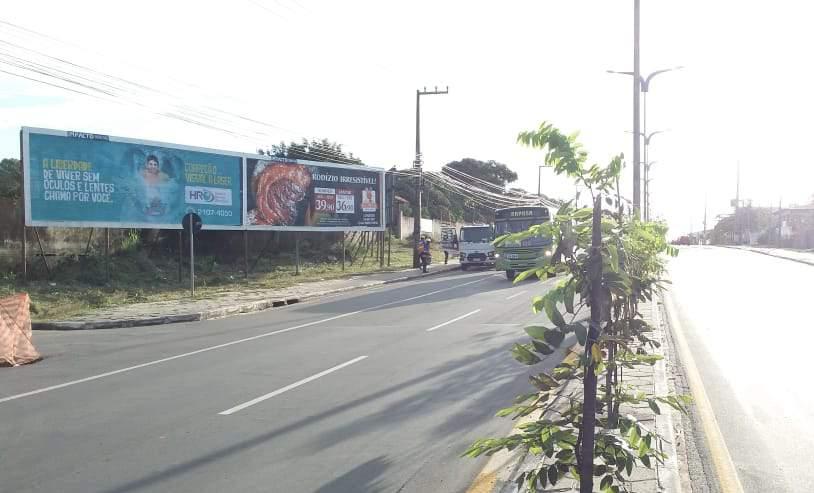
(475, 246)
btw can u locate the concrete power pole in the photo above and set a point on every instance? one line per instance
(417, 165)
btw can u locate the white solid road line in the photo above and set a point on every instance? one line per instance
(453, 320)
(515, 295)
(164, 360)
(220, 346)
(294, 385)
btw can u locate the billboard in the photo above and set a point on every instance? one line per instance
(295, 195)
(90, 180)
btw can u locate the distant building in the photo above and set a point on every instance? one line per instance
(795, 226)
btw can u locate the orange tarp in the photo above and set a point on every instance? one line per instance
(16, 347)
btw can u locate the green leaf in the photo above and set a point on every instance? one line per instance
(645, 460)
(568, 297)
(629, 466)
(506, 411)
(553, 313)
(524, 275)
(553, 474)
(614, 256)
(554, 337)
(574, 472)
(537, 304)
(633, 436)
(537, 332)
(522, 354)
(541, 478)
(606, 482)
(643, 449)
(654, 406)
(544, 382)
(596, 354)
(542, 347)
(581, 332)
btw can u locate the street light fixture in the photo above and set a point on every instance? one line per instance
(644, 82)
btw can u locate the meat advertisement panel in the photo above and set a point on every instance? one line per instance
(297, 195)
(76, 179)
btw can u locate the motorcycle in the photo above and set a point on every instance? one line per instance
(425, 258)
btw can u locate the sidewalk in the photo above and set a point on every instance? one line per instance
(657, 379)
(229, 303)
(801, 256)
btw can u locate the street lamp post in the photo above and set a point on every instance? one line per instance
(644, 83)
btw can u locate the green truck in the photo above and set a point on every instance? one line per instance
(513, 256)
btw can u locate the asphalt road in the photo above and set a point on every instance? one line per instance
(378, 390)
(744, 316)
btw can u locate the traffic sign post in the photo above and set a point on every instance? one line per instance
(192, 224)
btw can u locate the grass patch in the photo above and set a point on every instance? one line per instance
(79, 285)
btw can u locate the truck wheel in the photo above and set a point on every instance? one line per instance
(510, 275)
(464, 266)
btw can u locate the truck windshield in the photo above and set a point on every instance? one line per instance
(477, 235)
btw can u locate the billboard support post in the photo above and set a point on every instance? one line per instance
(246, 254)
(23, 245)
(343, 251)
(389, 240)
(25, 255)
(180, 256)
(107, 253)
(297, 253)
(191, 257)
(381, 249)
(87, 246)
(42, 253)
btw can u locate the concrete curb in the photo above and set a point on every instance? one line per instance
(254, 306)
(768, 254)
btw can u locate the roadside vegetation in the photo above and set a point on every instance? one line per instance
(79, 284)
(609, 262)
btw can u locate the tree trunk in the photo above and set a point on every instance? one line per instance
(586, 477)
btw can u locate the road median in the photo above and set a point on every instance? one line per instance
(502, 471)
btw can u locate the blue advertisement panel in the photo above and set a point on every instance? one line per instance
(79, 179)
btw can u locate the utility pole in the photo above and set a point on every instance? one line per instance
(738, 226)
(704, 234)
(637, 80)
(417, 165)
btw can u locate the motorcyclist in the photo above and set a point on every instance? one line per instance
(424, 253)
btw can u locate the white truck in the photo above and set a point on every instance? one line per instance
(475, 246)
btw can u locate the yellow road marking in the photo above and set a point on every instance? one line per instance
(724, 467)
